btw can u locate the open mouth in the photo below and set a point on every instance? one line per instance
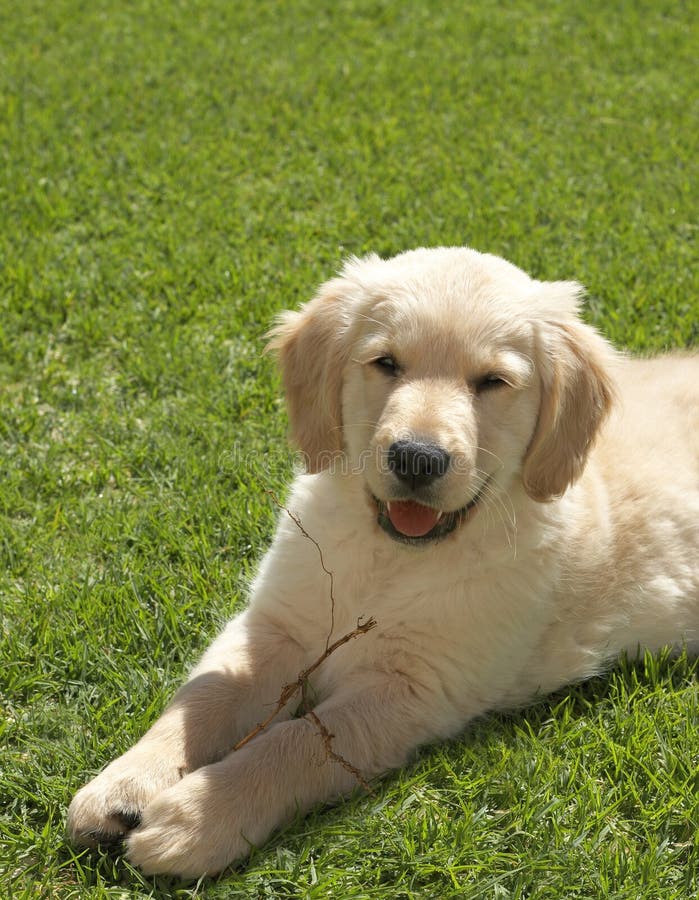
(415, 523)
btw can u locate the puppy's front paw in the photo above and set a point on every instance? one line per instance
(111, 804)
(186, 831)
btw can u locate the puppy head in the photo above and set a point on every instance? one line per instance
(440, 377)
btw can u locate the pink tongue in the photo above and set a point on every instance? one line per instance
(412, 519)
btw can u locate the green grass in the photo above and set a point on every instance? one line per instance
(172, 174)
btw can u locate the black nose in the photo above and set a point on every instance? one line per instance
(417, 462)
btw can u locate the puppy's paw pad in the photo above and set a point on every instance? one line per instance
(101, 837)
(111, 835)
(130, 817)
(100, 814)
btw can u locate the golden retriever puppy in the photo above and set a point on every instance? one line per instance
(513, 502)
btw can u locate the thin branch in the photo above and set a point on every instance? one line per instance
(289, 690)
(295, 519)
(336, 757)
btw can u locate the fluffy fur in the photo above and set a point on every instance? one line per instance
(566, 528)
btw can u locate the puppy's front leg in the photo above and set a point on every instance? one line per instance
(213, 816)
(236, 685)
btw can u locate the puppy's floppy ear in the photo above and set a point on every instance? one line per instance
(313, 350)
(576, 395)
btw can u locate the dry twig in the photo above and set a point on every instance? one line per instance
(289, 690)
(328, 742)
(295, 519)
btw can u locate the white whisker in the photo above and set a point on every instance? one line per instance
(493, 498)
(344, 425)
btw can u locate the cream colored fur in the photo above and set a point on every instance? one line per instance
(583, 544)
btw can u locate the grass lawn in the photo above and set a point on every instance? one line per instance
(172, 174)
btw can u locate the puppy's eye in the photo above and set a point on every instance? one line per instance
(387, 364)
(489, 382)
